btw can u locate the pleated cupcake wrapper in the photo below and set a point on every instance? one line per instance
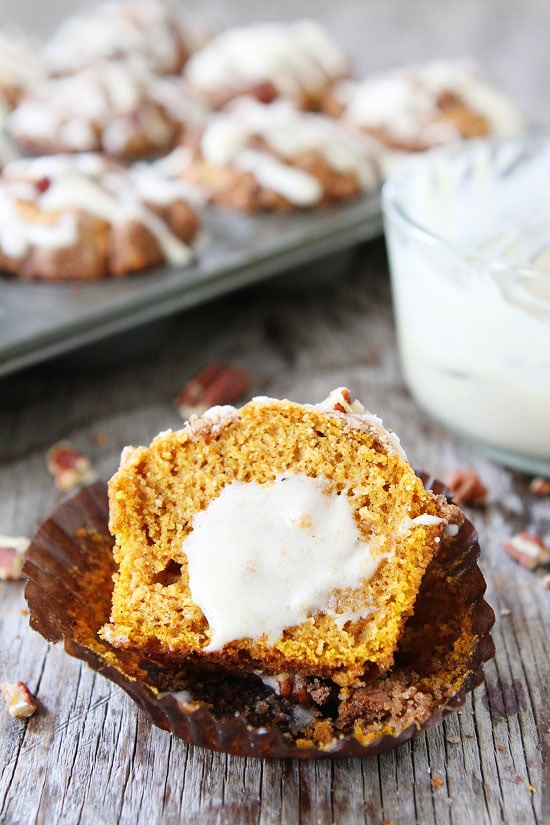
(69, 567)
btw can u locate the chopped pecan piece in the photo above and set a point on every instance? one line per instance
(528, 550)
(294, 688)
(540, 486)
(12, 552)
(101, 438)
(215, 385)
(19, 700)
(69, 467)
(466, 488)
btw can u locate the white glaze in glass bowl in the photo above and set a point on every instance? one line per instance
(468, 234)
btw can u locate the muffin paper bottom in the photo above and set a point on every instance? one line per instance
(69, 566)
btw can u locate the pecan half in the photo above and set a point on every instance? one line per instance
(466, 488)
(69, 467)
(19, 700)
(528, 550)
(12, 552)
(540, 486)
(294, 688)
(215, 385)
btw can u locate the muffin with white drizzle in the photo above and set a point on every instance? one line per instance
(279, 538)
(296, 60)
(84, 217)
(151, 29)
(416, 107)
(119, 107)
(253, 156)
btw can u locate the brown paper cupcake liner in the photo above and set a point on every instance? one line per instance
(69, 566)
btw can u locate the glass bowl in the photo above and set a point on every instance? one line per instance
(468, 233)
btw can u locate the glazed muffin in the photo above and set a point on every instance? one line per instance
(253, 156)
(120, 107)
(297, 60)
(275, 538)
(148, 29)
(417, 107)
(84, 217)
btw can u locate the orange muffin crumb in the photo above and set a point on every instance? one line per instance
(162, 494)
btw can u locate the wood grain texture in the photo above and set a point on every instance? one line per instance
(89, 756)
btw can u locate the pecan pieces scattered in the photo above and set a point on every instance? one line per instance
(466, 488)
(19, 700)
(528, 550)
(214, 385)
(69, 467)
(12, 552)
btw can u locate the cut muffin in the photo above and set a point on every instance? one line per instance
(275, 538)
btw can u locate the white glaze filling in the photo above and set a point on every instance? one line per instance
(115, 29)
(77, 182)
(405, 101)
(288, 133)
(294, 57)
(262, 557)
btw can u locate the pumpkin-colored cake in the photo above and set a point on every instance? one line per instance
(278, 537)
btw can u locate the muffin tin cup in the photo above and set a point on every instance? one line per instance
(69, 567)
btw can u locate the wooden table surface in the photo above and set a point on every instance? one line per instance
(89, 755)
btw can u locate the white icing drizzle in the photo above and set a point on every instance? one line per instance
(17, 235)
(405, 101)
(263, 557)
(118, 29)
(427, 520)
(159, 182)
(295, 185)
(287, 132)
(84, 182)
(294, 57)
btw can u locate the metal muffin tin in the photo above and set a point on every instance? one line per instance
(40, 320)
